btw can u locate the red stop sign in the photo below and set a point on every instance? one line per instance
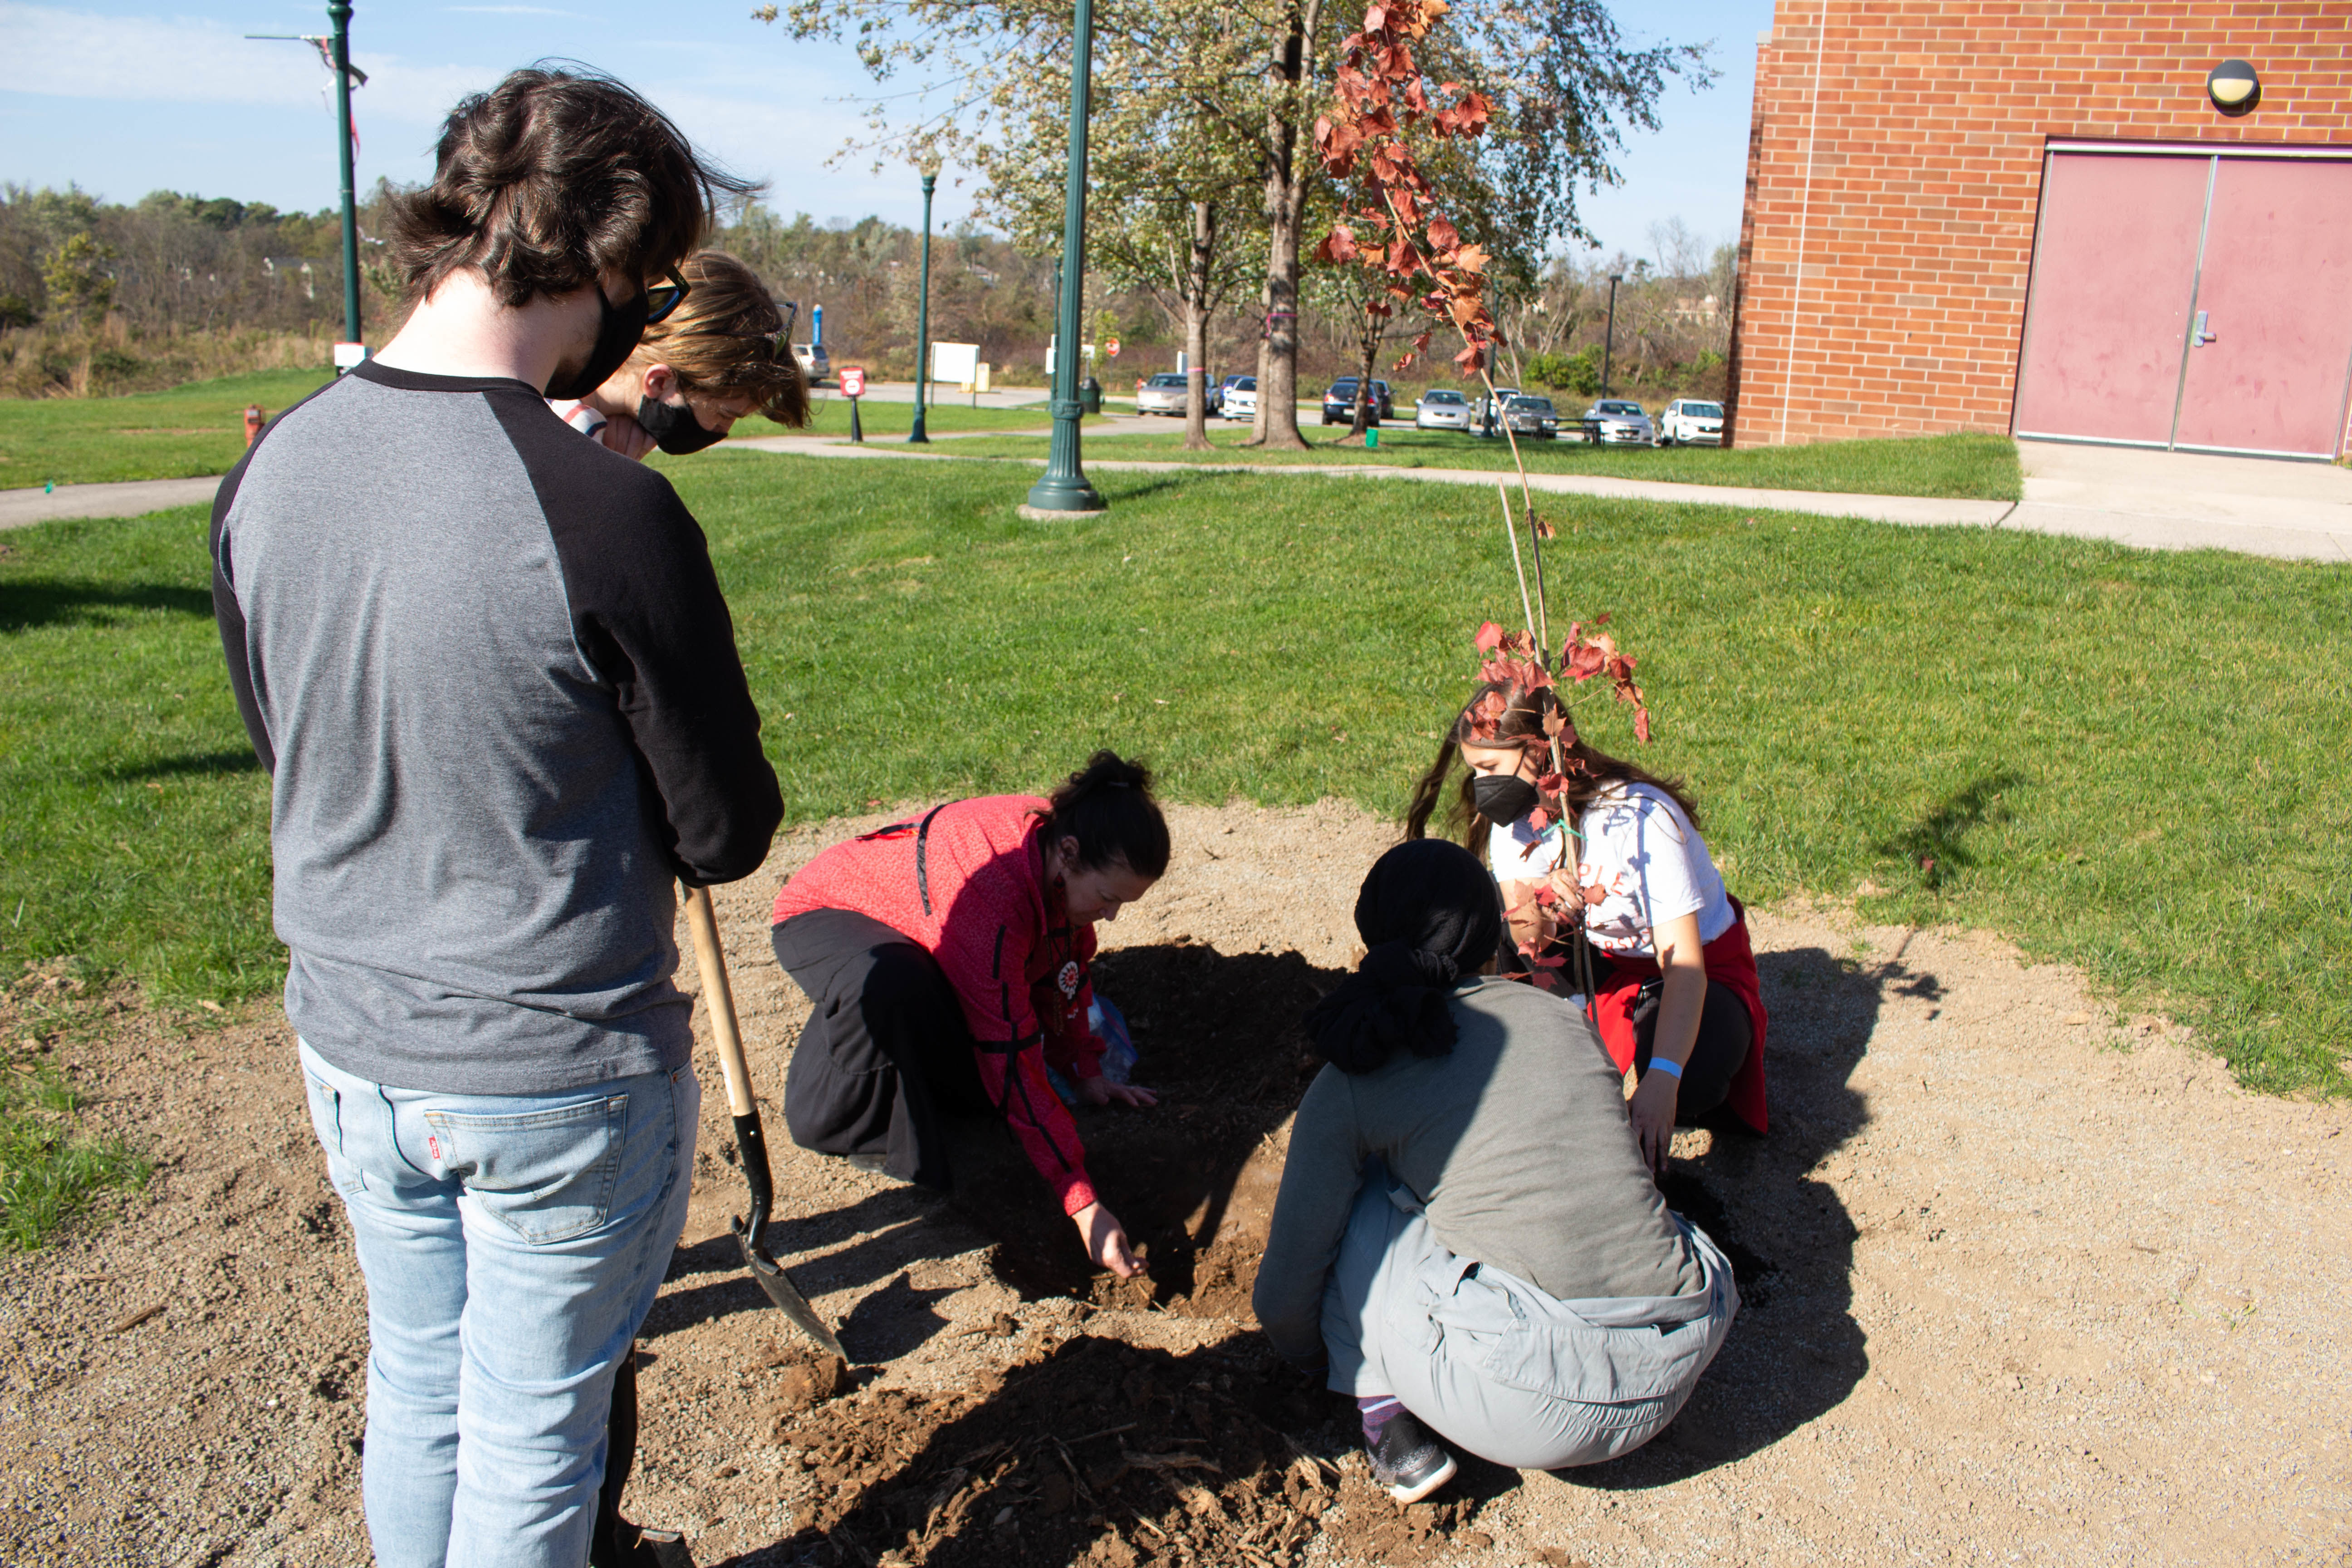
(853, 380)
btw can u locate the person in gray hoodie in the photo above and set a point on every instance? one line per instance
(1467, 1235)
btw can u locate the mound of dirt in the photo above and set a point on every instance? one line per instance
(1088, 1449)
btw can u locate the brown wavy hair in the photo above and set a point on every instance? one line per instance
(1589, 772)
(724, 340)
(549, 181)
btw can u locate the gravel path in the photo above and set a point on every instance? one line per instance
(2026, 1282)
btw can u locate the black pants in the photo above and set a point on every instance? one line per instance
(885, 1054)
(1726, 1032)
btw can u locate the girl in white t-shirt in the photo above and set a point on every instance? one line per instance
(1617, 857)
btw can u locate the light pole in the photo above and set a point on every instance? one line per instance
(341, 13)
(1064, 488)
(336, 51)
(1609, 343)
(923, 315)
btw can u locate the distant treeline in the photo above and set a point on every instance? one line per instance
(99, 298)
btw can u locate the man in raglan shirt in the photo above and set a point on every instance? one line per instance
(490, 671)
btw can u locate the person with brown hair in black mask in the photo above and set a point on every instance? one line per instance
(1467, 1236)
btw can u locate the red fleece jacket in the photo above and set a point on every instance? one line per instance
(967, 880)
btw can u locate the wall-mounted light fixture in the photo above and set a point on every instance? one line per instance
(2235, 88)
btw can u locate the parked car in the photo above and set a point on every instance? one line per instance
(1240, 401)
(1623, 423)
(1691, 422)
(1163, 393)
(1340, 402)
(815, 364)
(1486, 412)
(1442, 408)
(1525, 415)
(1217, 392)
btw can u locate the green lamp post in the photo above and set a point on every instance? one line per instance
(1064, 488)
(341, 14)
(923, 315)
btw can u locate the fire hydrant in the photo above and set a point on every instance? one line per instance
(256, 416)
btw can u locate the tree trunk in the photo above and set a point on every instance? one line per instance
(1196, 327)
(1370, 326)
(1285, 203)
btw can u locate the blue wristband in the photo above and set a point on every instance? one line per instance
(1672, 1070)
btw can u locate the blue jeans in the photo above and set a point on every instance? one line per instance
(512, 1246)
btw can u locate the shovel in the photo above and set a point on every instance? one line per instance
(750, 1232)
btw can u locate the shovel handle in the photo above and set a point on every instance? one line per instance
(721, 999)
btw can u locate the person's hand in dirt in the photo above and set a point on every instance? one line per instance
(1652, 1110)
(1099, 1090)
(1106, 1242)
(1682, 995)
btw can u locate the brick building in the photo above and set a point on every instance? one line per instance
(2029, 216)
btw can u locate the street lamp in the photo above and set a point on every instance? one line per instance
(923, 314)
(1064, 488)
(336, 51)
(1609, 343)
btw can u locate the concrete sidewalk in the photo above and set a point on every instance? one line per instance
(2157, 501)
(2185, 501)
(134, 498)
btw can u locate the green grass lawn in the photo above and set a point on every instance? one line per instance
(2127, 760)
(198, 428)
(948, 414)
(1979, 467)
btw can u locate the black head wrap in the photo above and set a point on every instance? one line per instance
(1429, 916)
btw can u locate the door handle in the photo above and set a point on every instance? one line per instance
(2202, 333)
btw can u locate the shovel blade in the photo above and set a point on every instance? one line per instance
(790, 1302)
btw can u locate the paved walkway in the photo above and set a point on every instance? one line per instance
(132, 499)
(2161, 500)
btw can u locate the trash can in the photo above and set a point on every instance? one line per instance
(1090, 397)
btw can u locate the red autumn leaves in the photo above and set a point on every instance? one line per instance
(1514, 663)
(1389, 224)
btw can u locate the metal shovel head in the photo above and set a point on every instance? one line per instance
(789, 1300)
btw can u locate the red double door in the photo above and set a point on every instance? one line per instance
(2189, 298)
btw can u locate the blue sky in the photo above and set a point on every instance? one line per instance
(124, 98)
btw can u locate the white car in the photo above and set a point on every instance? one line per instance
(1240, 398)
(1691, 422)
(1163, 393)
(1442, 408)
(1623, 423)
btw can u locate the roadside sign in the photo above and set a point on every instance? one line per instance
(1111, 348)
(853, 380)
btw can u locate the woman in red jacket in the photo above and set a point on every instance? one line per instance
(947, 957)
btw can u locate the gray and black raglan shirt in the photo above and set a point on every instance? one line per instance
(490, 671)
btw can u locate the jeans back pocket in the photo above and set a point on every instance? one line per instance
(547, 1175)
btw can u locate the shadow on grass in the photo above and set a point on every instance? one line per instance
(1937, 844)
(38, 602)
(195, 764)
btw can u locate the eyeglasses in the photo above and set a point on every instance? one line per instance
(663, 298)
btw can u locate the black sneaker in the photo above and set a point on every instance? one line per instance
(1407, 1461)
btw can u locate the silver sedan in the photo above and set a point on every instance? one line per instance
(1163, 393)
(1623, 423)
(1442, 408)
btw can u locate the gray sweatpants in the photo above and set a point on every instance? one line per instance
(1495, 1366)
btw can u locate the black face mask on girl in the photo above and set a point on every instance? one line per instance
(619, 331)
(675, 427)
(1502, 797)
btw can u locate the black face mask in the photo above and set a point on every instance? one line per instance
(620, 330)
(1503, 797)
(676, 429)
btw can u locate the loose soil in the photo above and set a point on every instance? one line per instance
(2022, 1278)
